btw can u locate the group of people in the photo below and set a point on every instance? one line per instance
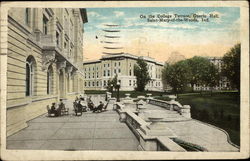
(80, 105)
(57, 111)
(93, 108)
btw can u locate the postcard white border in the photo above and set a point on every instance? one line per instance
(128, 155)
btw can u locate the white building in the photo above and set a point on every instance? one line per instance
(97, 73)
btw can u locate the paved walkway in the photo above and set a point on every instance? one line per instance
(91, 131)
(193, 131)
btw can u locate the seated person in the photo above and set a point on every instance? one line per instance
(62, 105)
(53, 109)
(91, 106)
(99, 107)
(59, 111)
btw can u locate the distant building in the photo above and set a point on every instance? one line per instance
(223, 83)
(97, 73)
(45, 57)
(175, 57)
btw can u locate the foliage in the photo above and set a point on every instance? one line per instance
(141, 73)
(231, 66)
(176, 75)
(202, 72)
(196, 70)
(112, 83)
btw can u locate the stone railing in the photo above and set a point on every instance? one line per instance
(172, 106)
(147, 142)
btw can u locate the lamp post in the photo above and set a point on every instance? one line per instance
(112, 90)
(118, 94)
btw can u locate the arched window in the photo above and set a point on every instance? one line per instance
(30, 69)
(49, 80)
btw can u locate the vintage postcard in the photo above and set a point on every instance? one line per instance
(124, 80)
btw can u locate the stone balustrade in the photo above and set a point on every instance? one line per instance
(172, 106)
(147, 142)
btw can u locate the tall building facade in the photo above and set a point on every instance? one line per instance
(45, 54)
(97, 73)
(224, 84)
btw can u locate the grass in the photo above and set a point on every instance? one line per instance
(222, 109)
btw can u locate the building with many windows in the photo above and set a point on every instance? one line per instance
(97, 73)
(44, 59)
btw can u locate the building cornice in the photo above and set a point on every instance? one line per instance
(18, 25)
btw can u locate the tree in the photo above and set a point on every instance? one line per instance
(112, 82)
(231, 66)
(202, 71)
(141, 73)
(176, 75)
(210, 76)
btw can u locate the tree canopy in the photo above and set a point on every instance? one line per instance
(231, 66)
(176, 75)
(196, 70)
(141, 73)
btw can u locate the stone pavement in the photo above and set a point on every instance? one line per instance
(193, 131)
(91, 131)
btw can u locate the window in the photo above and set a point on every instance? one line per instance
(104, 73)
(89, 84)
(119, 70)
(49, 80)
(108, 73)
(89, 75)
(45, 25)
(27, 16)
(104, 83)
(57, 39)
(93, 84)
(115, 64)
(93, 75)
(103, 65)
(108, 65)
(85, 84)
(119, 63)
(30, 65)
(115, 71)
(134, 82)
(97, 75)
(97, 83)
(130, 72)
(130, 83)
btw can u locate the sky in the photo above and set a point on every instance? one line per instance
(160, 40)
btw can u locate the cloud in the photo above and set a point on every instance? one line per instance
(93, 14)
(118, 13)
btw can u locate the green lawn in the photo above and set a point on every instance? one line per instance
(221, 109)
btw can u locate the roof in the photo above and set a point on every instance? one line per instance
(91, 62)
